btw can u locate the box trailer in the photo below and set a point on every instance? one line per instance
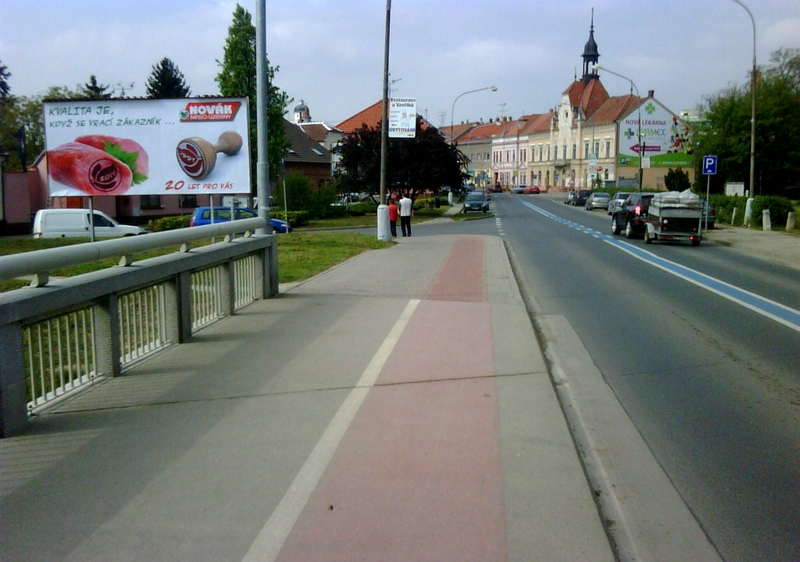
(675, 215)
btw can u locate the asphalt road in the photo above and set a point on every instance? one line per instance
(711, 384)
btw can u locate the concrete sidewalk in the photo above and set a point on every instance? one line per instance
(396, 407)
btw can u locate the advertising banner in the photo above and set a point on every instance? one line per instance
(666, 139)
(402, 118)
(147, 147)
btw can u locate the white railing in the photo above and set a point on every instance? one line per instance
(142, 324)
(206, 297)
(61, 335)
(59, 356)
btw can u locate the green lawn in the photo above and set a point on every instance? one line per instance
(300, 255)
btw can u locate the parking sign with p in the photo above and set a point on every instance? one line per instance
(709, 165)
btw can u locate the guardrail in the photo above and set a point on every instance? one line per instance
(57, 336)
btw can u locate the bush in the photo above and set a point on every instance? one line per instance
(296, 218)
(779, 209)
(169, 223)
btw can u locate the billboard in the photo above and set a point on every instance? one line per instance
(147, 147)
(666, 138)
(402, 118)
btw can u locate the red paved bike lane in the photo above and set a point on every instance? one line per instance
(418, 474)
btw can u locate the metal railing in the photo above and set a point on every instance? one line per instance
(61, 335)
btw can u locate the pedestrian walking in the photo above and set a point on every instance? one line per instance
(393, 211)
(406, 206)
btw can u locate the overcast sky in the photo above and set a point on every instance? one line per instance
(330, 52)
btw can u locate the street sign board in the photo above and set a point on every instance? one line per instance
(709, 165)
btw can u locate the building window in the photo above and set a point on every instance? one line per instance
(150, 201)
(597, 149)
(586, 150)
(608, 149)
(564, 152)
(574, 151)
(187, 201)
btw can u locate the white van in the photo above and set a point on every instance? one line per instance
(62, 223)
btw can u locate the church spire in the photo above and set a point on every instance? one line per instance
(591, 56)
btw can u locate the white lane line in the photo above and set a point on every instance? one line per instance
(776, 311)
(272, 536)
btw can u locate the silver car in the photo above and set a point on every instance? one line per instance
(615, 203)
(597, 201)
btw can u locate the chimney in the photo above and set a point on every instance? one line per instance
(650, 93)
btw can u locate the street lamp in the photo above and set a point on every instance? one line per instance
(452, 110)
(597, 67)
(752, 104)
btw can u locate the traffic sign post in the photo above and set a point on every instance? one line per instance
(709, 169)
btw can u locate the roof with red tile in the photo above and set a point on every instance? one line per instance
(589, 96)
(370, 116)
(615, 109)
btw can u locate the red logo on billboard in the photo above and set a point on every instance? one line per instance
(210, 111)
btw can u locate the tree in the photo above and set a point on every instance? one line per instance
(726, 131)
(94, 91)
(677, 180)
(5, 87)
(166, 81)
(237, 78)
(414, 166)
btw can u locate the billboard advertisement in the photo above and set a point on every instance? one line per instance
(147, 147)
(666, 138)
(402, 118)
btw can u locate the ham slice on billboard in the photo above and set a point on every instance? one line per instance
(127, 150)
(88, 169)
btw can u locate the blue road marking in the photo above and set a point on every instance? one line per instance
(771, 309)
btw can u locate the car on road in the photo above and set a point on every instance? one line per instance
(709, 215)
(580, 196)
(632, 215)
(495, 189)
(202, 216)
(568, 197)
(532, 191)
(597, 200)
(476, 201)
(616, 201)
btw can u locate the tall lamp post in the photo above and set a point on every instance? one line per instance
(452, 109)
(597, 67)
(752, 104)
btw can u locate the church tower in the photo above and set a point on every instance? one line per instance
(591, 56)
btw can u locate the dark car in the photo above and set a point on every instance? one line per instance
(616, 201)
(631, 215)
(202, 216)
(580, 197)
(476, 201)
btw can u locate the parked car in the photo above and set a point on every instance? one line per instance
(616, 200)
(476, 201)
(632, 215)
(202, 216)
(495, 189)
(568, 197)
(532, 191)
(580, 197)
(70, 223)
(518, 189)
(597, 201)
(709, 215)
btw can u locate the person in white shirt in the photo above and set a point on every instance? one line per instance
(406, 206)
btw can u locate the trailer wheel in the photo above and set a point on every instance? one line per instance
(696, 242)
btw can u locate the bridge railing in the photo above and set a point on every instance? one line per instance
(57, 336)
